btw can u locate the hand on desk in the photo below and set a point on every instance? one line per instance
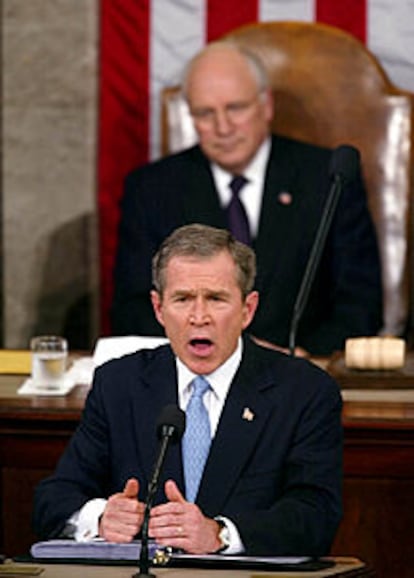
(123, 515)
(182, 525)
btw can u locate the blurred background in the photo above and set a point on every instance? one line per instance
(80, 88)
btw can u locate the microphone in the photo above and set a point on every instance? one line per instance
(170, 428)
(344, 167)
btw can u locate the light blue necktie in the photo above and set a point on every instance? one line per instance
(197, 438)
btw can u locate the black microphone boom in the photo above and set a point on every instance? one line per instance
(170, 428)
(343, 168)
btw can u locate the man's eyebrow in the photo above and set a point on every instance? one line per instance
(208, 292)
(180, 292)
(217, 292)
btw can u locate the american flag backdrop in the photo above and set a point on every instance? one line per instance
(144, 45)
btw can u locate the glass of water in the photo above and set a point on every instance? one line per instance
(49, 358)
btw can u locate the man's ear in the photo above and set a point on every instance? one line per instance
(250, 306)
(269, 105)
(157, 306)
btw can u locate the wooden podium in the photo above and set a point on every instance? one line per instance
(344, 568)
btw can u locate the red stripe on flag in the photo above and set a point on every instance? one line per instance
(349, 15)
(225, 16)
(123, 121)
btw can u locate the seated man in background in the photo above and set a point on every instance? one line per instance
(270, 479)
(283, 185)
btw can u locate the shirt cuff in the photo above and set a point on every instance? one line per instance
(236, 545)
(86, 520)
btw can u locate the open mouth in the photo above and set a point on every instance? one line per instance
(201, 345)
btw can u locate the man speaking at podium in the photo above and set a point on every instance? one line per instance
(258, 470)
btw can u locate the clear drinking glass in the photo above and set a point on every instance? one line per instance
(49, 358)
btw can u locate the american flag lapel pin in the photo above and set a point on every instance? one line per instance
(247, 414)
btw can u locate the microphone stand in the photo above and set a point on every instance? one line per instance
(144, 561)
(314, 259)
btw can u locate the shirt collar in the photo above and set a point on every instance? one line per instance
(253, 172)
(219, 380)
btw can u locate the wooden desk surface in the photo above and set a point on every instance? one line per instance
(365, 394)
(29, 406)
(344, 567)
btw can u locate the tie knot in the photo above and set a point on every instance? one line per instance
(237, 183)
(200, 386)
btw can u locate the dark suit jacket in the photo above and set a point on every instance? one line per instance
(346, 297)
(278, 477)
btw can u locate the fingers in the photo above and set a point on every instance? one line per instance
(176, 503)
(123, 515)
(116, 530)
(171, 523)
(173, 493)
(131, 488)
(119, 525)
(183, 526)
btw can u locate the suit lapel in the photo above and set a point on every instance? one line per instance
(161, 381)
(279, 206)
(243, 418)
(202, 202)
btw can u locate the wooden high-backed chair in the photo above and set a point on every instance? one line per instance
(330, 90)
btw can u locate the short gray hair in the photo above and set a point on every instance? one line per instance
(254, 63)
(203, 241)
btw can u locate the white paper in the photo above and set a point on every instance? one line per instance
(29, 388)
(94, 549)
(241, 559)
(107, 348)
(81, 370)
(100, 549)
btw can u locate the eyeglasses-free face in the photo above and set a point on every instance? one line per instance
(202, 309)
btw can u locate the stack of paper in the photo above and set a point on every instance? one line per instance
(95, 549)
(99, 549)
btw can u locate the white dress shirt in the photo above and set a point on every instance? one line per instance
(251, 194)
(219, 381)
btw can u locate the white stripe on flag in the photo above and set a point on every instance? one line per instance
(282, 10)
(177, 32)
(390, 36)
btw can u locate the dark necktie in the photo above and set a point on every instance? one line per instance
(237, 220)
(197, 438)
